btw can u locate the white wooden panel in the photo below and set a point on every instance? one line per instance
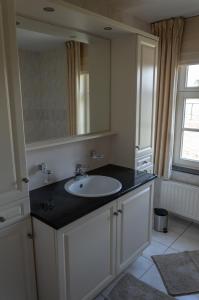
(12, 151)
(7, 169)
(146, 93)
(46, 260)
(14, 211)
(17, 281)
(88, 255)
(134, 225)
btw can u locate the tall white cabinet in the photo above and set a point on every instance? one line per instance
(134, 72)
(17, 263)
(12, 159)
(17, 279)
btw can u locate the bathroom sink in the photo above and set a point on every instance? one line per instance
(93, 186)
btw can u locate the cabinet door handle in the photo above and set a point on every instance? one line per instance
(137, 147)
(25, 180)
(30, 236)
(115, 213)
(2, 219)
(120, 211)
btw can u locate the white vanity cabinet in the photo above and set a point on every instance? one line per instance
(17, 281)
(76, 262)
(134, 224)
(134, 72)
(88, 252)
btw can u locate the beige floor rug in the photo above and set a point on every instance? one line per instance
(130, 288)
(179, 272)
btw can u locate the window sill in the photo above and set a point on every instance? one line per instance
(185, 170)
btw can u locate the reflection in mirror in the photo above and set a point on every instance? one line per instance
(65, 85)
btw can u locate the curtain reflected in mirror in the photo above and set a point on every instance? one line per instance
(78, 88)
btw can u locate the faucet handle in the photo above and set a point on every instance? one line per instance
(44, 169)
(95, 155)
(80, 169)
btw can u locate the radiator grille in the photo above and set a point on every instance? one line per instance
(180, 198)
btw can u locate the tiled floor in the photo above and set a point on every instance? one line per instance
(182, 235)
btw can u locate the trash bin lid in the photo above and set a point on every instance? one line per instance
(160, 211)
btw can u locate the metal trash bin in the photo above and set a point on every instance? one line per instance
(161, 220)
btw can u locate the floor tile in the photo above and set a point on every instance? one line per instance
(192, 232)
(100, 297)
(177, 224)
(139, 267)
(153, 278)
(189, 297)
(155, 248)
(165, 238)
(185, 243)
(171, 250)
(107, 290)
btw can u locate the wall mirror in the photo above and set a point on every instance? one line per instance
(65, 82)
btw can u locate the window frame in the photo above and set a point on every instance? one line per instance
(183, 93)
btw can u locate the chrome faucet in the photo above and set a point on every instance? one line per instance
(45, 171)
(80, 171)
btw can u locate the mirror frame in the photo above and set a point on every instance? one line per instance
(42, 27)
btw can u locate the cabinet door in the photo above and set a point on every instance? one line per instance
(12, 150)
(134, 225)
(17, 277)
(146, 94)
(87, 256)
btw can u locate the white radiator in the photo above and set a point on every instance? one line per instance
(180, 198)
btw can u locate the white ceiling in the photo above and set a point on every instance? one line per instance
(154, 10)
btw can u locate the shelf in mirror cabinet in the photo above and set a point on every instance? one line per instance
(69, 140)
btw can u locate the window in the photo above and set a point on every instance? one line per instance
(83, 107)
(186, 148)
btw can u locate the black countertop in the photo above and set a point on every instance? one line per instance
(52, 205)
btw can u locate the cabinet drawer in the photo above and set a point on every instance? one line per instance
(10, 214)
(144, 161)
(147, 169)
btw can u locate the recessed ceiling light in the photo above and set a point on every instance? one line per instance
(17, 23)
(108, 28)
(49, 9)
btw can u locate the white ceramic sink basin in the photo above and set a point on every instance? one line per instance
(93, 186)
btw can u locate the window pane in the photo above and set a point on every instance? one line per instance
(190, 145)
(193, 76)
(191, 117)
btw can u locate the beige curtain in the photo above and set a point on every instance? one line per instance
(170, 33)
(74, 68)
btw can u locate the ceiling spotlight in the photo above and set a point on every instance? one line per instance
(48, 9)
(108, 28)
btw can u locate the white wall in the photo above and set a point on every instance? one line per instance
(190, 44)
(123, 97)
(99, 90)
(62, 159)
